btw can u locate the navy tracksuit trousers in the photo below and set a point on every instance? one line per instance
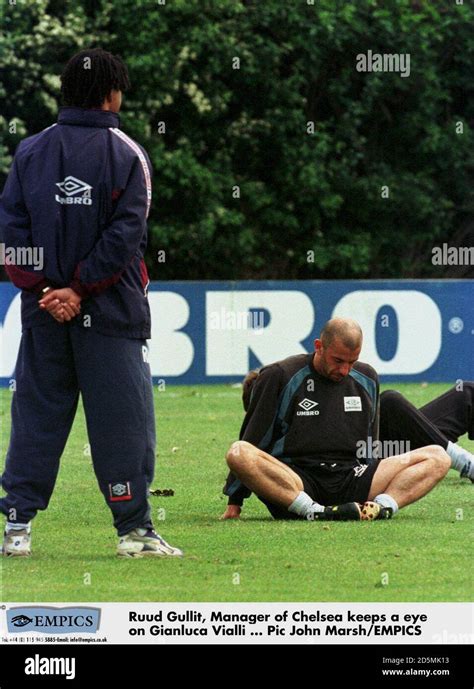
(444, 419)
(55, 363)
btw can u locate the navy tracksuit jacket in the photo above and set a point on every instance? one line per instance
(80, 190)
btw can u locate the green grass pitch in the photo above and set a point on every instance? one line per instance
(424, 554)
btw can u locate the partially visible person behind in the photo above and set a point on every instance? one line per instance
(440, 422)
(247, 387)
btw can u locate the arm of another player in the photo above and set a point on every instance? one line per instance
(256, 429)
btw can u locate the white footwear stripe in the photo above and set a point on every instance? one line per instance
(138, 151)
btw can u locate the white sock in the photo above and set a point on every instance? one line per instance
(460, 458)
(386, 500)
(304, 505)
(14, 526)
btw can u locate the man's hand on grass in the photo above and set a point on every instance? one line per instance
(232, 512)
(62, 304)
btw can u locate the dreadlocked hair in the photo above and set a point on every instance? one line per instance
(90, 76)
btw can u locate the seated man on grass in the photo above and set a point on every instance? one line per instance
(299, 447)
(442, 421)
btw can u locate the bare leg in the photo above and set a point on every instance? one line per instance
(266, 476)
(408, 477)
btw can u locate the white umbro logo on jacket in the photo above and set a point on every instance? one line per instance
(71, 187)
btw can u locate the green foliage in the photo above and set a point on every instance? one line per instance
(247, 127)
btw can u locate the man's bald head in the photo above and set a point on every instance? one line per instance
(345, 330)
(338, 348)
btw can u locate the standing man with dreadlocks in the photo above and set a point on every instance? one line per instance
(80, 190)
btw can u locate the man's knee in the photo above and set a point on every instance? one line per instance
(390, 399)
(467, 389)
(439, 460)
(238, 454)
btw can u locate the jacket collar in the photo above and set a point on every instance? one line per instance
(88, 117)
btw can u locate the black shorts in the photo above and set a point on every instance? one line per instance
(330, 484)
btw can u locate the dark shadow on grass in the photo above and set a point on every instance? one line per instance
(207, 520)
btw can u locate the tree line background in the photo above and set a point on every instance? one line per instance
(247, 127)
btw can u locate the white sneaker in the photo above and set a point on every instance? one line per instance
(17, 543)
(145, 543)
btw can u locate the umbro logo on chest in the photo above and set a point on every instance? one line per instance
(307, 408)
(352, 403)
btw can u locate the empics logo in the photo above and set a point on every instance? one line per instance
(50, 666)
(71, 187)
(308, 407)
(51, 620)
(21, 620)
